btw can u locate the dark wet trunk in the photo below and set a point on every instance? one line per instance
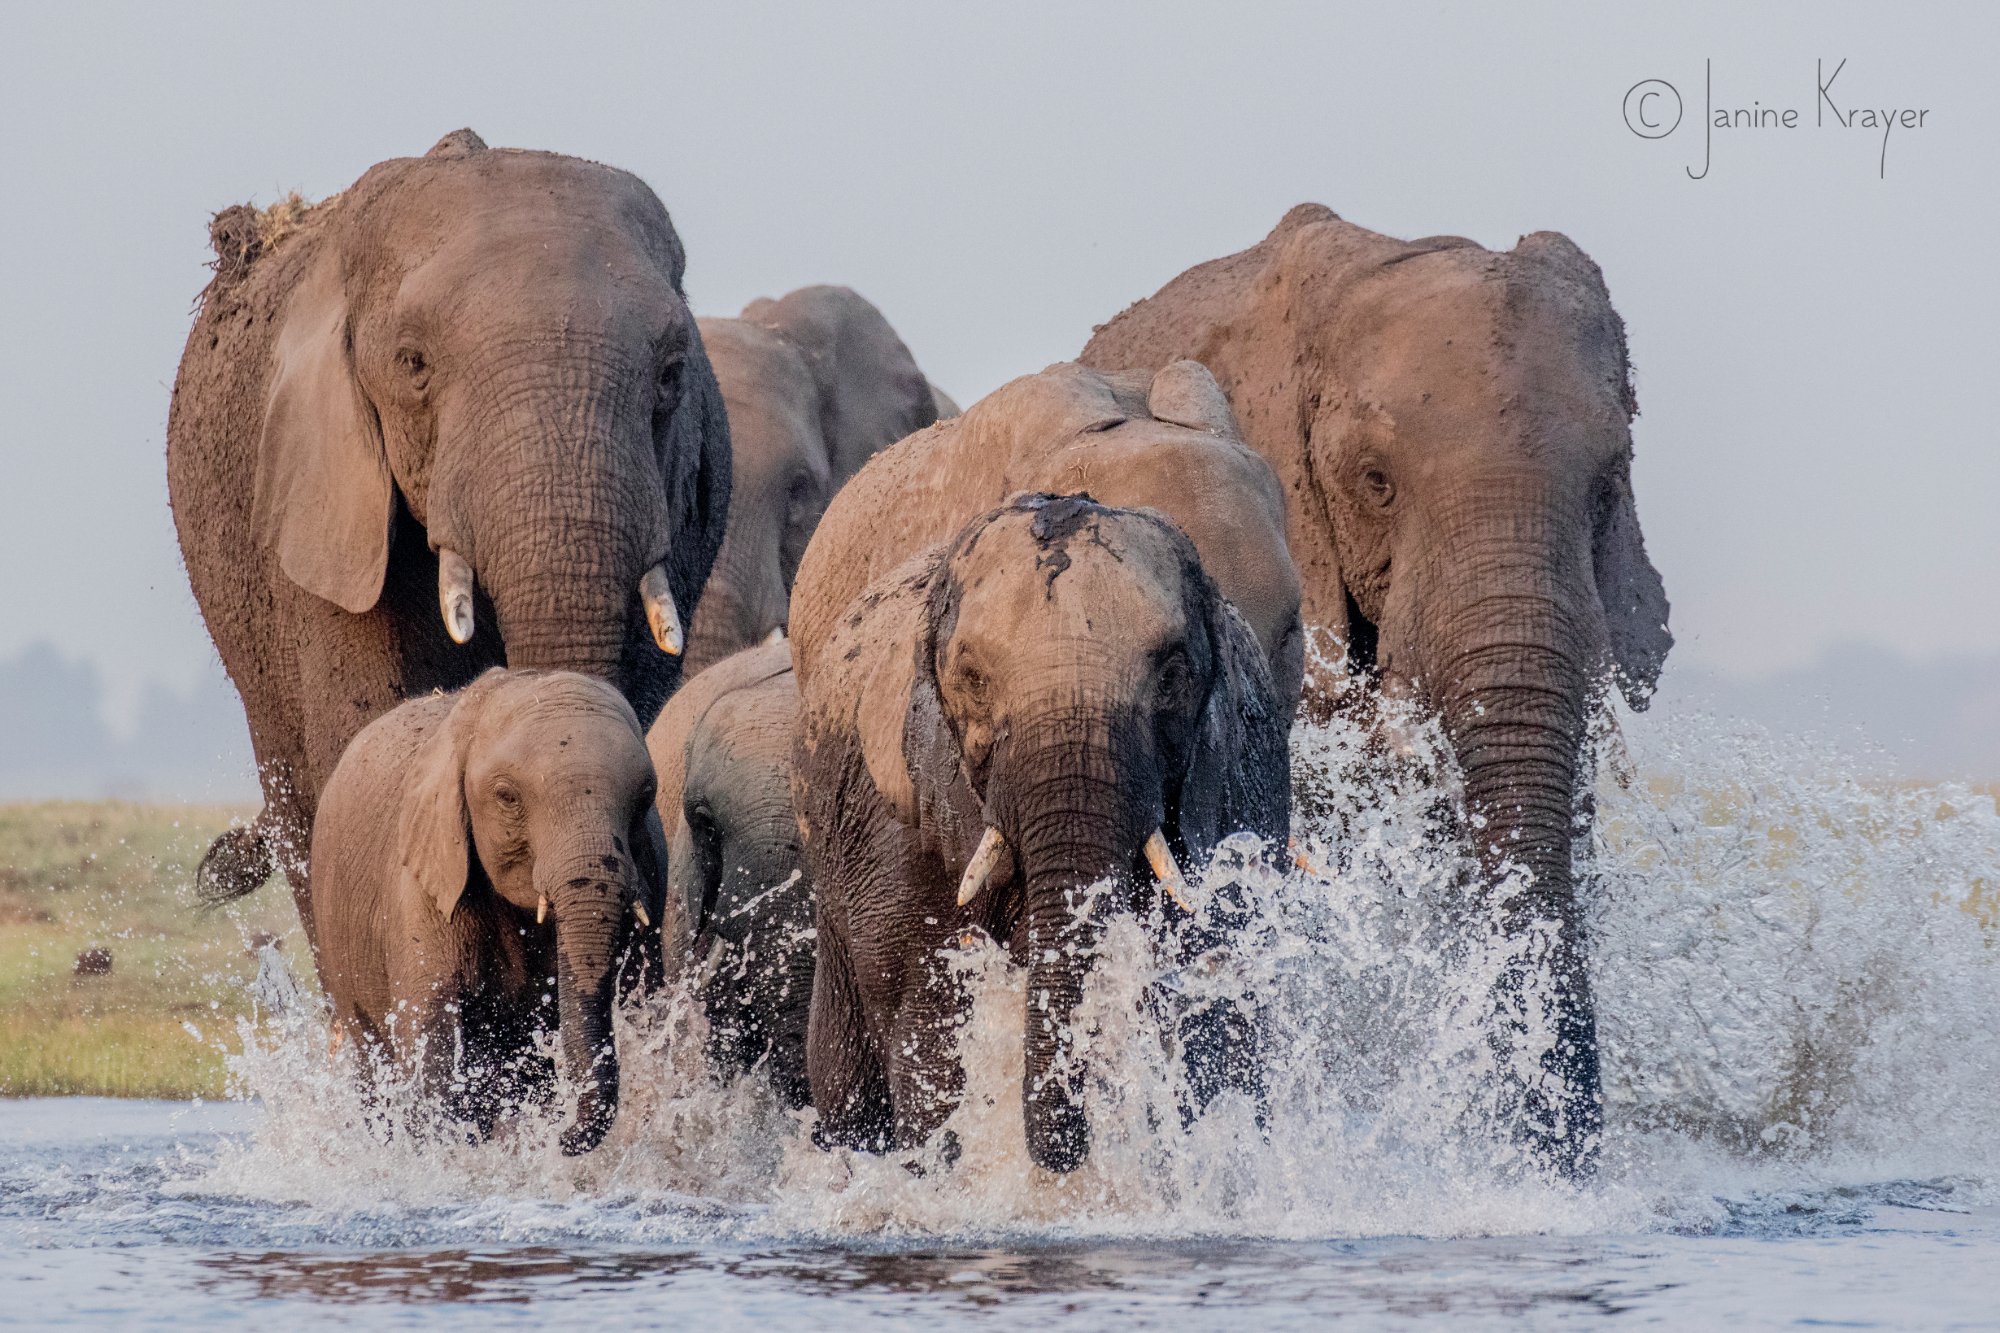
(1077, 830)
(742, 604)
(589, 919)
(1514, 702)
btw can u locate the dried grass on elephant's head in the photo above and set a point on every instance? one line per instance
(242, 233)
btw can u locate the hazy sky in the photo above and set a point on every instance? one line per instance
(1816, 342)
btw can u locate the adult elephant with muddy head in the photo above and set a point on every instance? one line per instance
(816, 382)
(1165, 441)
(457, 416)
(1055, 697)
(1452, 427)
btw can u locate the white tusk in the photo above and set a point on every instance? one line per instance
(455, 586)
(542, 909)
(661, 613)
(639, 910)
(984, 857)
(776, 635)
(1161, 858)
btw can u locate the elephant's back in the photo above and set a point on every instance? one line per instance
(908, 498)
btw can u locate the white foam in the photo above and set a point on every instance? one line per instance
(1794, 993)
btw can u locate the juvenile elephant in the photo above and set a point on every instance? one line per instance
(815, 383)
(484, 863)
(458, 416)
(740, 913)
(1452, 427)
(1163, 441)
(1056, 695)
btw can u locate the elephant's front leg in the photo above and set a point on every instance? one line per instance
(843, 1068)
(926, 1069)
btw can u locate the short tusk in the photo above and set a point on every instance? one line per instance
(777, 635)
(661, 613)
(639, 910)
(984, 857)
(541, 909)
(1161, 858)
(455, 584)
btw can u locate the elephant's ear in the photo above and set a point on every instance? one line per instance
(1633, 597)
(434, 834)
(695, 461)
(694, 865)
(899, 718)
(1629, 588)
(324, 496)
(871, 392)
(1239, 772)
(1185, 394)
(649, 853)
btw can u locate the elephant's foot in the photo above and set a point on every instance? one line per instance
(236, 864)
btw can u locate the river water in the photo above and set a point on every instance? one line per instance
(1799, 996)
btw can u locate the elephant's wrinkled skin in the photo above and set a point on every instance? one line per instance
(816, 382)
(469, 379)
(1046, 693)
(1452, 427)
(740, 914)
(1165, 442)
(483, 866)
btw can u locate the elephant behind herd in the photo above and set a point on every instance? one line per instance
(460, 417)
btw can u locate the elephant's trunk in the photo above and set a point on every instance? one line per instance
(1073, 825)
(1513, 690)
(746, 598)
(590, 911)
(561, 527)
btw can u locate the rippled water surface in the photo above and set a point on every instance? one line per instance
(1800, 1002)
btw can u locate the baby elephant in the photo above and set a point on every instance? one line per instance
(740, 916)
(484, 864)
(1056, 696)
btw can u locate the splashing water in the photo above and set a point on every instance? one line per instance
(1795, 968)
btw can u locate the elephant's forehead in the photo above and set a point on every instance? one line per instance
(1111, 576)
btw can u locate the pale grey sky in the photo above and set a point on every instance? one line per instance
(1815, 343)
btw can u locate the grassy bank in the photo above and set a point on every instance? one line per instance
(115, 878)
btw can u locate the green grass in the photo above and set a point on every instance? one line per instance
(118, 876)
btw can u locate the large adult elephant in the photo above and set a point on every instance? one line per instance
(1165, 441)
(1054, 696)
(457, 416)
(1452, 427)
(816, 382)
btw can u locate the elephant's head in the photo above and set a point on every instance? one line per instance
(737, 858)
(1091, 707)
(537, 789)
(816, 382)
(1469, 439)
(496, 343)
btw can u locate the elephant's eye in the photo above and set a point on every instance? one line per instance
(1376, 486)
(973, 682)
(1174, 685)
(668, 396)
(416, 366)
(506, 797)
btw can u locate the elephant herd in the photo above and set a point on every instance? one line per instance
(464, 490)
